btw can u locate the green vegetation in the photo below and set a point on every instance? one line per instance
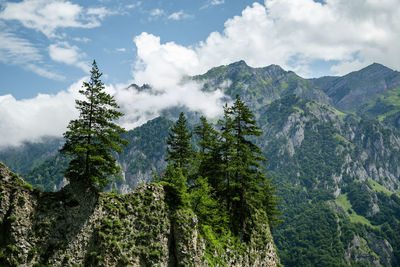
(91, 138)
(47, 175)
(223, 182)
(21, 159)
(379, 188)
(148, 142)
(343, 202)
(179, 151)
(144, 152)
(383, 105)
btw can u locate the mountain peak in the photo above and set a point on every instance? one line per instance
(239, 63)
(376, 69)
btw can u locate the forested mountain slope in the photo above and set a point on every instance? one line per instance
(333, 147)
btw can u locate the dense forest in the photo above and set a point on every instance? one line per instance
(223, 181)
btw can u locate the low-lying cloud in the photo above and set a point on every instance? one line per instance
(32, 119)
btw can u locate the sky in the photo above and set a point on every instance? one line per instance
(47, 46)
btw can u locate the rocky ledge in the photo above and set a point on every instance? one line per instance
(80, 226)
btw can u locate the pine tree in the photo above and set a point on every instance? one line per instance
(179, 150)
(244, 174)
(208, 154)
(92, 137)
(227, 151)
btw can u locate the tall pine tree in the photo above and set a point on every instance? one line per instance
(179, 150)
(208, 154)
(244, 175)
(92, 137)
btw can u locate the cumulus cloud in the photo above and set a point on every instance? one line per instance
(67, 54)
(47, 16)
(293, 34)
(48, 115)
(140, 106)
(32, 119)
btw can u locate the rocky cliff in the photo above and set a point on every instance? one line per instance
(83, 226)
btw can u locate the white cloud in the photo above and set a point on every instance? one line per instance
(47, 16)
(122, 49)
(157, 12)
(15, 50)
(213, 3)
(70, 55)
(48, 115)
(179, 15)
(19, 51)
(32, 119)
(44, 72)
(217, 2)
(82, 39)
(162, 65)
(134, 5)
(99, 12)
(144, 105)
(293, 34)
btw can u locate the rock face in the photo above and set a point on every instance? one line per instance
(85, 227)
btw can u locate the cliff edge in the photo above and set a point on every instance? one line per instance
(81, 226)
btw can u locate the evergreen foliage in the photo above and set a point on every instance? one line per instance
(223, 182)
(179, 151)
(208, 156)
(244, 172)
(92, 137)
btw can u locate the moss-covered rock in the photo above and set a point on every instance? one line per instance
(81, 226)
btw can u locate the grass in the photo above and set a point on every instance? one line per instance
(390, 99)
(382, 117)
(379, 188)
(299, 110)
(343, 202)
(338, 113)
(340, 138)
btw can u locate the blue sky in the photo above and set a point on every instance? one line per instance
(47, 46)
(110, 43)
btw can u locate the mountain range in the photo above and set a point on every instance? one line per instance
(333, 149)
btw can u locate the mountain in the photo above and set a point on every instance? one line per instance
(338, 179)
(259, 86)
(80, 226)
(144, 154)
(333, 148)
(373, 91)
(28, 155)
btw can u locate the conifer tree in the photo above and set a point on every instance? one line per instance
(208, 154)
(92, 137)
(179, 150)
(227, 151)
(244, 174)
